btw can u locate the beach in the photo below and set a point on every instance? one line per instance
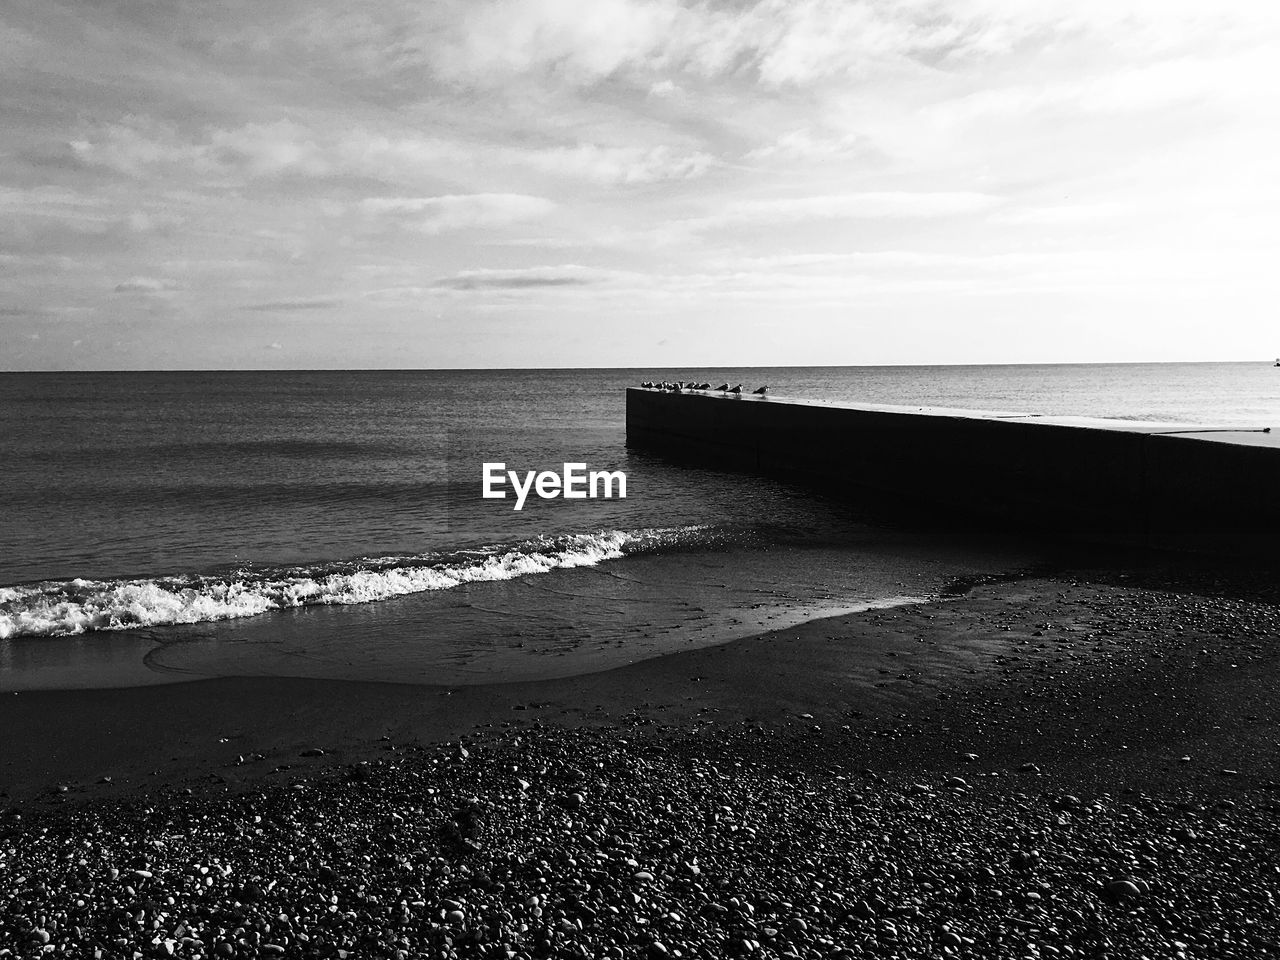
(507, 480)
(1075, 765)
(304, 693)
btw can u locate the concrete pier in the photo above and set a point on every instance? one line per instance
(1167, 485)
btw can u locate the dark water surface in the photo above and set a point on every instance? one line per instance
(246, 523)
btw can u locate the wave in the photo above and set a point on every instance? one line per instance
(62, 608)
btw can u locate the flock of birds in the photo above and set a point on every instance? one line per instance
(680, 386)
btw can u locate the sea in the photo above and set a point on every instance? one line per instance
(159, 527)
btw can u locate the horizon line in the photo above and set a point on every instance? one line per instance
(726, 366)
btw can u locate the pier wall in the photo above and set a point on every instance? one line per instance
(1163, 485)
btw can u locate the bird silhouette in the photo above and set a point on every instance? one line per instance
(761, 391)
(737, 389)
(723, 388)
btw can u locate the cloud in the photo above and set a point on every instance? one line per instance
(39, 218)
(473, 282)
(405, 157)
(528, 278)
(146, 285)
(432, 215)
(1185, 81)
(47, 200)
(891, 261)
(140, 145)
(662, 137)
(293, 304)
(549, 243)
(620, 164)
(872, 258)
(1067, 213)
(849, 206)
(580, 43)
(158, 221)
(804, 145)
(139, 148)
(486, 42)
(779, 43)
(912, 272)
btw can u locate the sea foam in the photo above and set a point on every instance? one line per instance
(60, 608)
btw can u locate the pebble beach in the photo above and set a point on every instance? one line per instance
(1081, 765)
(635, 480)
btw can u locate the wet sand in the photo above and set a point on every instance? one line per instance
(1071, 649)
(536, 627)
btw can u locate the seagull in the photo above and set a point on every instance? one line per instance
(704, 386)
(723, 388)
(737, 389)
(761, 391)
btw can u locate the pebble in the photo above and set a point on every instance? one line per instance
(758, 841)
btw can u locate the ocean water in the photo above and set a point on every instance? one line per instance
(161, 526)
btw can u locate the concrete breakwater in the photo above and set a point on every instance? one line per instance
(1168, 485)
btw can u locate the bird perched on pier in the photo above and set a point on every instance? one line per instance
(703, 386)
(761, 391)
(723, 388)
(737, 389)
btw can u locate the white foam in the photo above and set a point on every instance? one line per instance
(78, 606)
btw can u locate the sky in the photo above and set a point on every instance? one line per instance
(528, 183)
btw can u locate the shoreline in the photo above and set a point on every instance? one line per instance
(135, 658)
(876, 662)
(1079, 763)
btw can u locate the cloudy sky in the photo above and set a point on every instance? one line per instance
(439, 183)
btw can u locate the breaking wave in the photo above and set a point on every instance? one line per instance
(60, 608)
